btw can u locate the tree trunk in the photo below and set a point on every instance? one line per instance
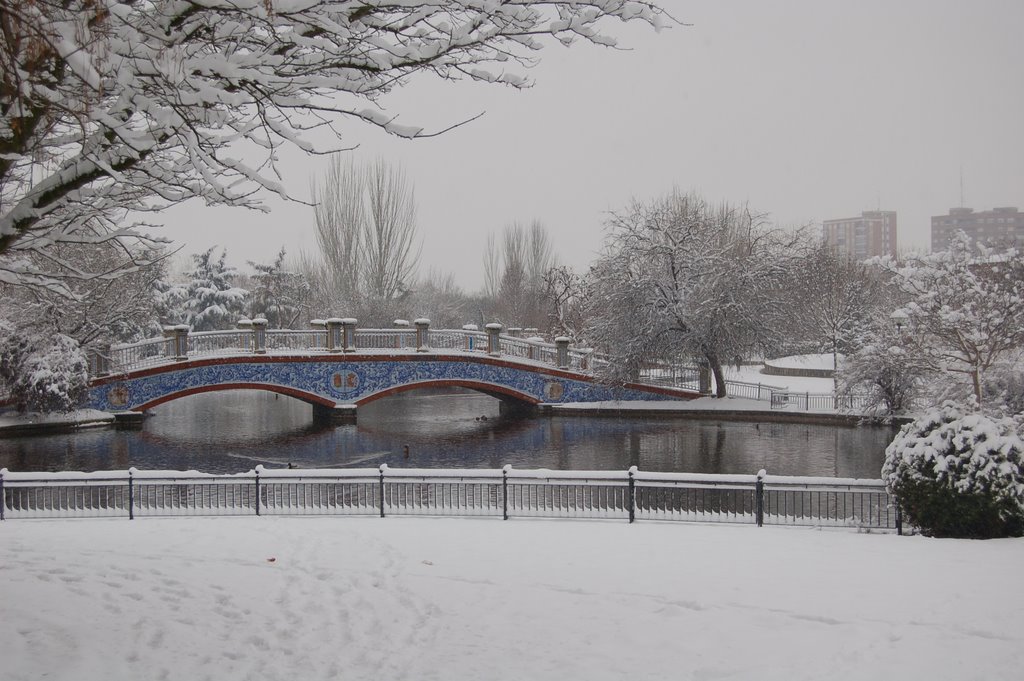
(976, 383)
(716, 370)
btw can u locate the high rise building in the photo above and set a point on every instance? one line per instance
(873, 233)
(989, 227)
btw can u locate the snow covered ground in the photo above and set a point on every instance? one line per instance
(10, 419)
(367, 598)
(817, 361)
(752, 374)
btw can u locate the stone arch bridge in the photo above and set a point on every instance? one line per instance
(337, 368)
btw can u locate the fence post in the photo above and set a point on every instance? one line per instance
(320, 324)
(259, 335)
(504, 490)
(562, 352)
(3, 495)
(383, 467)
(632, 493)
(493, 340)
(348, 334)
(181, 341)
(759, 497)
(257, 471)
(245, 324)
(131, 493)
(335, 342)
(401, 325)
(422, 334)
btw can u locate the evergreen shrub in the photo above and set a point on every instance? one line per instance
(958, 473)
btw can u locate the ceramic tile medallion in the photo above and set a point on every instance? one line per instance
(326, 379)
(553, 391)
(345, 382)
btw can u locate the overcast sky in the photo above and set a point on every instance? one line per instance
(808, 110)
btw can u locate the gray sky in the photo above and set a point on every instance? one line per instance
(808, 110)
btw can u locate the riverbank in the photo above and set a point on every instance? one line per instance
(14, 424)
(724, 409)
(235, 599)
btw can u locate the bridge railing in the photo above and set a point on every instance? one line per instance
(385, 339)
(219, 342)
(154, 351)
(628, 495)
(129, 356)
(295, 340)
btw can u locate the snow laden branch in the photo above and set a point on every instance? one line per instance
(108, 107)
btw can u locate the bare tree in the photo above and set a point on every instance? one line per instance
(366, 231)
(339, 210)
(439, 298)
(391, 250)
(492, 267)
(565, 295)
(109, 107)
(514, 273)
(833, 299)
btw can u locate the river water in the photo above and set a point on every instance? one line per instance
(234, 431)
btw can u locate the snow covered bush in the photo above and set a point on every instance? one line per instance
(42, 376)
(957, 473)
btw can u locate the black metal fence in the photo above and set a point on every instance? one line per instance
(630, 495)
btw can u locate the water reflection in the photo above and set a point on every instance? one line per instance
(235, 431)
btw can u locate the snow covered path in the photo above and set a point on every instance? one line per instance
(364, 598)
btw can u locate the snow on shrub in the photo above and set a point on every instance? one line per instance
(957, 473)
(39, 375)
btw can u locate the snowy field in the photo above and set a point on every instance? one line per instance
(235, 599)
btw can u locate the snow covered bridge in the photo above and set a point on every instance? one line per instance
(337, 367)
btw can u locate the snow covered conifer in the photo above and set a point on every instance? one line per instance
(211, 300)
(278, 292)
(958, 473)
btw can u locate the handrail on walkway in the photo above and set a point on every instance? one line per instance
(506, 492)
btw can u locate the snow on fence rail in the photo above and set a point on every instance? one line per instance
(629, 495)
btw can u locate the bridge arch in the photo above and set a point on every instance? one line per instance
(307, 397)
(503, 393)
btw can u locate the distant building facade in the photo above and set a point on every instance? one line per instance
(990, 227)
(873, 233)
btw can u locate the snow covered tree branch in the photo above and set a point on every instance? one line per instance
(683, 279)
(964, 312)
(115, 107)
